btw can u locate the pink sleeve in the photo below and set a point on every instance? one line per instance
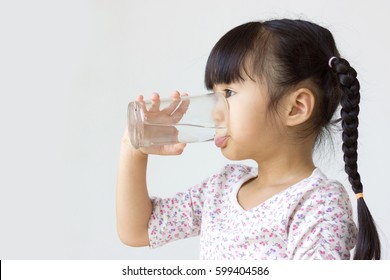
(178, 217)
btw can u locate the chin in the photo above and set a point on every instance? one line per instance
(232, 155)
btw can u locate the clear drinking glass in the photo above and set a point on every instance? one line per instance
(190, 119)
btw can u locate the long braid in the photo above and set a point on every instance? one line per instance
(368, 244)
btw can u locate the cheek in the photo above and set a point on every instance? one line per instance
(247, 122)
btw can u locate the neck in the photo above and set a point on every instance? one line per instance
(289, 165)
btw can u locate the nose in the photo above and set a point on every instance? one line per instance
(220, 112)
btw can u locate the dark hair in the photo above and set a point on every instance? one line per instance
(283, 53)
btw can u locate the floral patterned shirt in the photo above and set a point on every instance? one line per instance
(311, 219)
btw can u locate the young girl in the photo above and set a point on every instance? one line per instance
(283, 81)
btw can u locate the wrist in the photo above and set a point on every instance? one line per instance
(129, 151)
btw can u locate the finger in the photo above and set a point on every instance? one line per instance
(167, 150)
(140, 100)
(170, 110)
(181, 109)
(155, 100)
(176, 149)
(179, 148)
(175, 96)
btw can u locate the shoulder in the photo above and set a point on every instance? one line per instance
(327, 192)
(321, 200)
(319, 190)
(320, 219)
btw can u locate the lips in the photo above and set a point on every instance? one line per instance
(221, 141)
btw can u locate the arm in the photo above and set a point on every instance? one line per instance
(133, 205)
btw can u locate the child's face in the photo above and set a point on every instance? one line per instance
(252, 132)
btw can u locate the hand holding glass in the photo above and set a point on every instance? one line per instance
(186, 119)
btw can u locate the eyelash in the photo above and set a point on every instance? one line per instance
(229, 93)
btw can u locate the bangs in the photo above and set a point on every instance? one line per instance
(233, 56)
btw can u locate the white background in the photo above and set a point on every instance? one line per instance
(67, 72)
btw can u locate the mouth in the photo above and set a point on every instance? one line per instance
(221, 141)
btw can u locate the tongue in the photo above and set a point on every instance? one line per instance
(220, 142)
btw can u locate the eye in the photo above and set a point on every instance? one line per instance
(229, 93)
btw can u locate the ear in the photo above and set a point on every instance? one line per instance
(300, 105)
